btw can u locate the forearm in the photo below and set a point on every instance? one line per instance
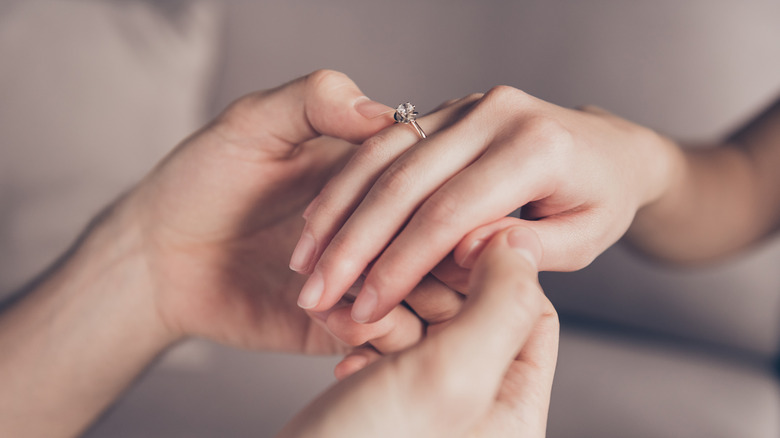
(721, 199)
(75, 341)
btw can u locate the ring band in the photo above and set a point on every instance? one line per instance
(406, 114)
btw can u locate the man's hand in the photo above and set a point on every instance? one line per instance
(488, 372)
(220, 215)
(199, 247)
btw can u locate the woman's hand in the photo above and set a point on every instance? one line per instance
(487, 372)
(402, 204)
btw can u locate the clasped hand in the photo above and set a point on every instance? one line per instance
(219, 218)
(402, 204)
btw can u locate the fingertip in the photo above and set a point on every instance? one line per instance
(365, 305)
(304, 252)
(349, 366)
(336, 107)
(371, 109)
(465, 256)
(513, 247)
(471, 246)
(312, 291)
(526, 243)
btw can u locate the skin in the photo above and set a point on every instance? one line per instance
(721, 200)
(403, 204)
(687, 206)
(487, 372)
(583, 178)
(198, 248)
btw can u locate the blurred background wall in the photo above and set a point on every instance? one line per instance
(93, 93)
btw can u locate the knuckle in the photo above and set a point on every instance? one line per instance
(323, 79)
(397, 181)
(232, 122)
(553, 137)
(440, 210)
(373, 150)
(435, 315)
(505, 95)
(473, 97)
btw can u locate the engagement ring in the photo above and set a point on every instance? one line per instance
(406, 114)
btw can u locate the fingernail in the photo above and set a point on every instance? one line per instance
(349, 366)
(323, 316)
(312, 291)
(364, 306)
(358, 362)
(470, 257)
(371, 109)
(310, 207)
(526, 243)
(303, 252)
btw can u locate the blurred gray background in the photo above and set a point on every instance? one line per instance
(93, 93)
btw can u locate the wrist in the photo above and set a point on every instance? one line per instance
(83, 332)
(669, 168)
(665, 165)
(114, 254)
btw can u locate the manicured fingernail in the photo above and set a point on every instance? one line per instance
(323, 316)
(364, 306)
(467, 261)
(310, 207)
(350, 366)
(358, 362)
(371, 109)
(304, 251)
(312, 291)
(526, 243)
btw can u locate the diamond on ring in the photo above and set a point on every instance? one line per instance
(405, 113)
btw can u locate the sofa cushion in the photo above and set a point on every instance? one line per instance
(733, 304)
(613, 385)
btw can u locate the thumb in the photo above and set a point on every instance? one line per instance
(324, 102)
(505, 303)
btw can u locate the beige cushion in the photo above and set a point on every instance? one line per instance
(734, 304)
(613, 385)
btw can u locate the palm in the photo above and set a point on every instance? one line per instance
(224, 233)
